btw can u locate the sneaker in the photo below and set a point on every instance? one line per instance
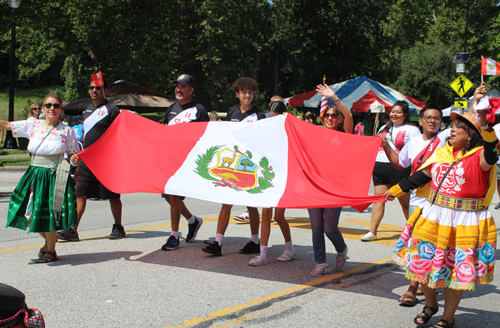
(193, 229)
(256, 261)
(171, 245)
(319, 270)
(369, 236)
(213, 248)
(341, 259)
(243, 217)
(498, 206)
(118, 232)
(68, 235)
(250, 248)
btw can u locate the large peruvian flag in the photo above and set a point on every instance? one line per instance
(276, 162)
(489, 67)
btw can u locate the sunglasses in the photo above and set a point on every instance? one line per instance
(96, 88)
(37, 108)
(55, 105)
(330, 115)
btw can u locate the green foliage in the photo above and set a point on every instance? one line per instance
(204, 160)
(249, 154)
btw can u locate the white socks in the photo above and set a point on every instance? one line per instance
(289, 247)
(263, 252)
(191, 220)
(218, 238)
(255, 238)
(175, 234)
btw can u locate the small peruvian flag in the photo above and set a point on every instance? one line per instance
(98, 80)
(489, 67)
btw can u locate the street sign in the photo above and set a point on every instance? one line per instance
(461, 85)
(461, 103)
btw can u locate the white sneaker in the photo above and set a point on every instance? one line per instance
(319, 270)
(243, 217)
(369, 236)
(341, 259)
(256, 261)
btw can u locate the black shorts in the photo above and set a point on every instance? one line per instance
(386, 174)
(88, 185)
(166, 196)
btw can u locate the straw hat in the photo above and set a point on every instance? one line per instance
(469, 118)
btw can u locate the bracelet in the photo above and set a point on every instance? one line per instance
(486, 127)
(336, 101)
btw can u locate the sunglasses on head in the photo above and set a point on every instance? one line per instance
(96, 88)
(55, 105)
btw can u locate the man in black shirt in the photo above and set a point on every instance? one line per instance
(184, 110)
(97, 118)
(244, 89)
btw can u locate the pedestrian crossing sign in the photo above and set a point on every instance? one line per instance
(461, 85)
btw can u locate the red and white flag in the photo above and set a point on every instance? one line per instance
(98, 80)
(277, 162)
(491, 105)
(322, 109)
(489, 67)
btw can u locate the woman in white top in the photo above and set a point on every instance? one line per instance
(44, 199)
(397, 132)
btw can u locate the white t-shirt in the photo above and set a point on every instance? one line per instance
(397, 137)
(60, 139)
(410, 152)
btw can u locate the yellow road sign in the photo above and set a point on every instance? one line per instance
(461, 104)
(461, 85)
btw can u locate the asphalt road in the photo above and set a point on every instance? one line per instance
(132, 283)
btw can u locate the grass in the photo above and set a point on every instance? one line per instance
(25, 161)
(12, 152)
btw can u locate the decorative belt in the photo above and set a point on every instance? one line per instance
(459, 204)
(47, 161)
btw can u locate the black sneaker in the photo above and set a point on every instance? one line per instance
(171, 245)
(250, 248)
(68, 235)
(193, 229)
(118, 232)
(213, 249)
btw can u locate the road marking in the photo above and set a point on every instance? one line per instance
(276, 295)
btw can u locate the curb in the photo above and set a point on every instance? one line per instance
(14, 168)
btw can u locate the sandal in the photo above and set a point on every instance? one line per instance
(425, 316)
(408, 299)
(48, 257)
(42, 251)
(285, 257)
(444, 324)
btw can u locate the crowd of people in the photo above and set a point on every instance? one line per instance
(443, 180)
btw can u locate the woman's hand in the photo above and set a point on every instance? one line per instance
(479, 93)
(384, 141)
(325, 91)
(482, 117)
(74, 159)
(388, 195)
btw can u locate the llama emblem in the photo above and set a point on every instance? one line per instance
(235, 169)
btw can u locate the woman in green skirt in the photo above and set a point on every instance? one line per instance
(44, 199)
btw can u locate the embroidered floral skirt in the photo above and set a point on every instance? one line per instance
(32, 200)
(443, 247)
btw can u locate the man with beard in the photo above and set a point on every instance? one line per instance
(184, 110)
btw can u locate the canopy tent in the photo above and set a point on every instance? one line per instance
(125, 95)
(359, 94)
(446, 112)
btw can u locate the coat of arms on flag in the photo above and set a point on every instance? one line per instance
(235, 169)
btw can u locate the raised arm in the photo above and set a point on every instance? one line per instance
(489, 155)
(324, 90)
(5, 125)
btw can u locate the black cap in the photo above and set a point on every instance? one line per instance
(186, 79)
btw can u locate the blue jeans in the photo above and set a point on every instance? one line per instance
(325, 221)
